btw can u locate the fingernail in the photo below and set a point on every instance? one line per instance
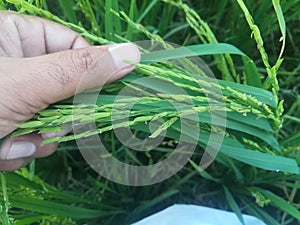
(60, 133)
(124, 52)
(20, 149)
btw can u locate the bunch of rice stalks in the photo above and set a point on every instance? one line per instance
(172, 104)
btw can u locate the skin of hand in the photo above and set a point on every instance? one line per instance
(42, 62)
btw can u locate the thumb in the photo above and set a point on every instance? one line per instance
(60, 75)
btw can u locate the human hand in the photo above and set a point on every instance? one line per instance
(42, 62)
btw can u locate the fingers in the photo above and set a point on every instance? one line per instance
(48, 79)
(46, 36)
(14, 164)
(28, 36)
(25, 146)
(51, 78)
(19, 151)
(30, 84)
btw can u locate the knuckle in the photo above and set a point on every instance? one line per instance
(82, 59)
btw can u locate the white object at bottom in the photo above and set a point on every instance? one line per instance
(196, 215)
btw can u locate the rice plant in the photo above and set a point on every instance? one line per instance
(256, 167)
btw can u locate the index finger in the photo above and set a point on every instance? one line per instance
(39, 36)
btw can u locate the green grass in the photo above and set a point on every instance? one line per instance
(256, 171)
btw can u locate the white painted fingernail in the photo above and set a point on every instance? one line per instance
(124, 52)
(20, 149)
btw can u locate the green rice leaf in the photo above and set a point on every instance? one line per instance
(233, 205)
(108, 20)
(294, 139)
(116, 21)
(251, 73)
(281, 21)
(233, 149)
(260, 94)
(58, 209)
(155, 201)
(280, 203)
(29, 219)
(146, 11)
(68, 9)
(2, 5)
(261, 160)
(132, 13)
(258, 211)
(188, 51)
(203, 173)
(228, 162)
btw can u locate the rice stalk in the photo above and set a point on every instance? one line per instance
(207, 36)
(250, 139)
(86, 7)
(271, 71)
(5, 206)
